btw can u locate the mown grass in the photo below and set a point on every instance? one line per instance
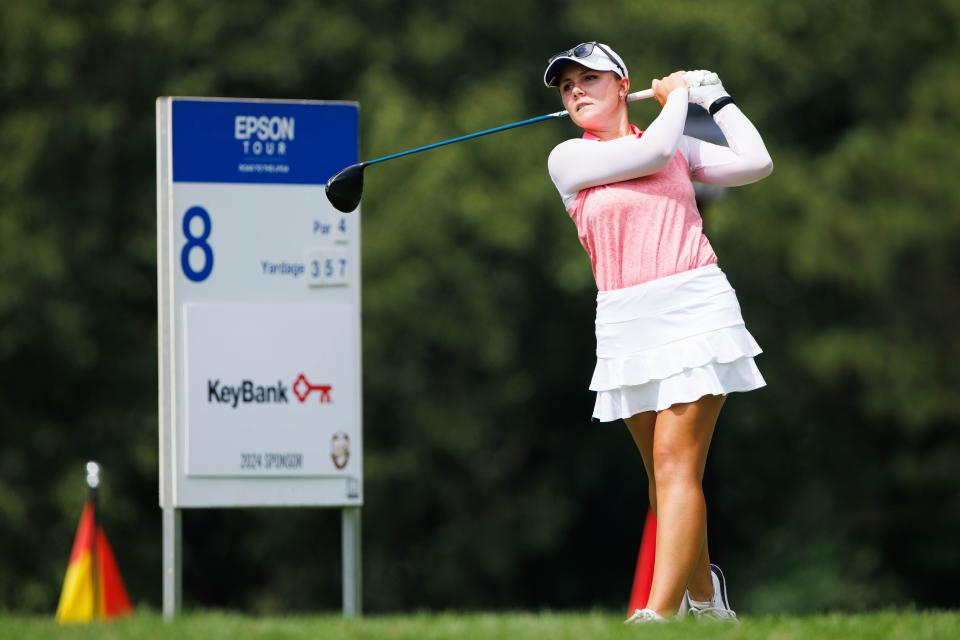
(594, 625)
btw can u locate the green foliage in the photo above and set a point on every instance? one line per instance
(487, 486)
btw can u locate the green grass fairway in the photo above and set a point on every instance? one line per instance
(908, 625)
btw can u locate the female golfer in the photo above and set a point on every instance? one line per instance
(671, 342)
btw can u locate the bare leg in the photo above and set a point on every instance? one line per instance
(700, 584)
(681, 439)
(641, 427)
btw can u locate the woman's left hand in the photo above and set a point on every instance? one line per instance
(663, 86)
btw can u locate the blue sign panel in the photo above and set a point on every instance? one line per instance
(247, 141)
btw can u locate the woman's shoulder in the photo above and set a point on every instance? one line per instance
(566, 149)
(573, 143)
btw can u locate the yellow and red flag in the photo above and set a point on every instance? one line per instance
(92, 587)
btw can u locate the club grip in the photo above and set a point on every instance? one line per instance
(640, 95)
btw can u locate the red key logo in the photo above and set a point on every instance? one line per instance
(302, 389)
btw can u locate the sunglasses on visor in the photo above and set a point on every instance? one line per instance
(585, 50)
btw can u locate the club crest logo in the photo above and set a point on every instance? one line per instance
(340, 449)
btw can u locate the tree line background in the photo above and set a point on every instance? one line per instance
(487, 486)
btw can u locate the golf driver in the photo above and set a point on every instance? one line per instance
(345, 188)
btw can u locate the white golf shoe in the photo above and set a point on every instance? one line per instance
(719, 606)
(644, 616)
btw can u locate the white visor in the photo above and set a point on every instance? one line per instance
(598, 60)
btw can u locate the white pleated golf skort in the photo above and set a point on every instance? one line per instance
(673, 339)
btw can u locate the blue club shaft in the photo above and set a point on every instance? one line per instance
(549, 116)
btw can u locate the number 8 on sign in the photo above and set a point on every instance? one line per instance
(197, 242)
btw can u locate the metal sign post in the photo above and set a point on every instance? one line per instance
(259, 317)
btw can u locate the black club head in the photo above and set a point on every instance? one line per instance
(345, 188)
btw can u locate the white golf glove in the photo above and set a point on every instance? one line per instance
(705, 87)
(699, 77)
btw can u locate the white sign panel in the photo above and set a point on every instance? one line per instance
(257, 405)
(259, 292)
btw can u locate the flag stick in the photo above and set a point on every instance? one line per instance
(93, 481)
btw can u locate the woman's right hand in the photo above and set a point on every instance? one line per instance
(663, 86)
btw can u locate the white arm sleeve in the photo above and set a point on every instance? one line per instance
(746, 160)
(578, 164)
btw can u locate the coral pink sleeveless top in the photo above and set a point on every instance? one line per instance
(642, 229)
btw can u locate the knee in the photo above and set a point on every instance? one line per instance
(673, 467)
